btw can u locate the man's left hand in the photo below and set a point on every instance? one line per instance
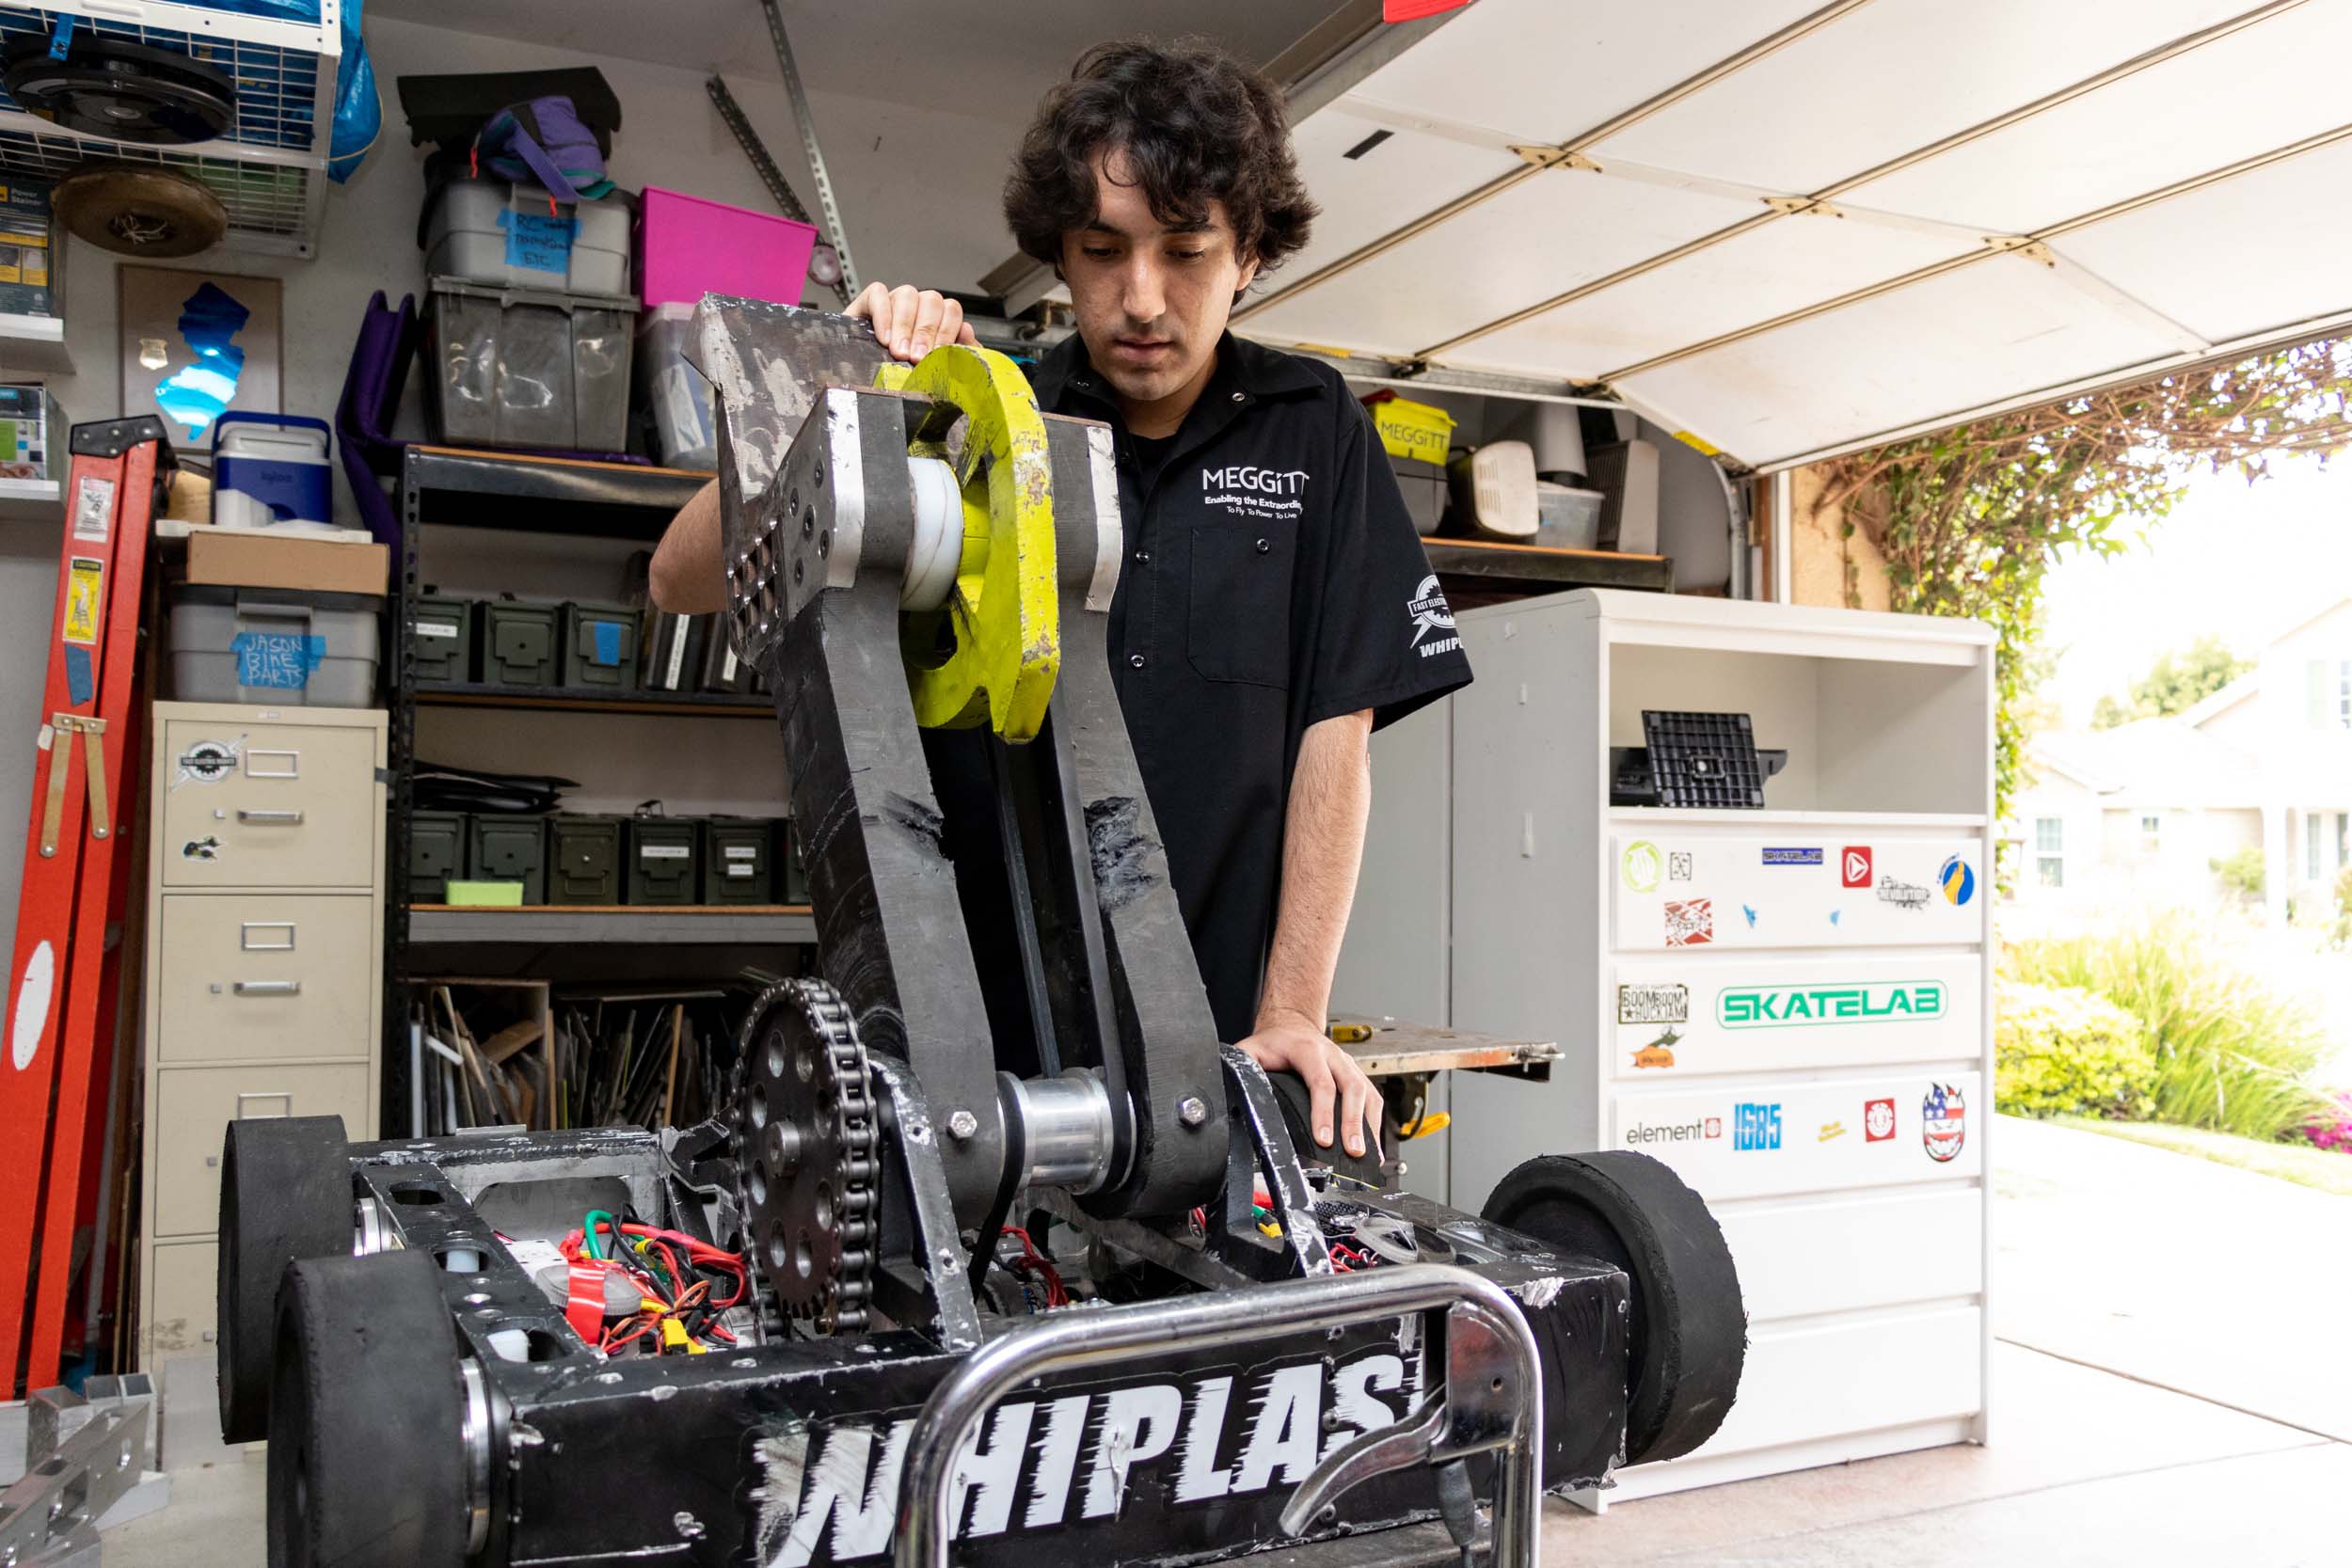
(1292, 1042)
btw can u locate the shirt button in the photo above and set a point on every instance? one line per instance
(1143, 557)
(1135, 660)
(1264, 546)
(1241, 397)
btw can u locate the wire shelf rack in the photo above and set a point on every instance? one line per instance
(269, 170)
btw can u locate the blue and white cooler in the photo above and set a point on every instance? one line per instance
(271, 471)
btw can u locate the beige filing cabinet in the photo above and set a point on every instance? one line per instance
(265, 963)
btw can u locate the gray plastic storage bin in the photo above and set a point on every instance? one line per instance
(600, 646)
(518, 368)
(685, 435)
(286, 648)
(518, 643)
(442, 648)
(584, 860)
(496, 232)
(510, 849)
(663, 862)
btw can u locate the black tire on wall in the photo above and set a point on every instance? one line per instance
(285, 1193)
(1689, 1334)
(366, 1445)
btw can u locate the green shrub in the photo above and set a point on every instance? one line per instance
(2343, 908)
(2231, 1053)
(2241, 872)
(2064, 1051)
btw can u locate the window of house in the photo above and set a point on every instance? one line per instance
(2330, 694)
(2049, 844)
(2311, 846)
(2344, 694)
(2151, 832)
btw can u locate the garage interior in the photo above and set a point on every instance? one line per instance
(375, 786)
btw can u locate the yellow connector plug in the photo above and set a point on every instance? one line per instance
(674, 1336)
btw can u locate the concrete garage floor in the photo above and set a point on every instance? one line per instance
(2171, 1390)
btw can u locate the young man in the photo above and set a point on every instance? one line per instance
(1274, 606)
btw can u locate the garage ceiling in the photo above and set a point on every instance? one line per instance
(1792, 228)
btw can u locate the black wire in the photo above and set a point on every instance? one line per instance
(1009, 1184)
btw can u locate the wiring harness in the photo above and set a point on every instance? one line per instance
(684, 1287)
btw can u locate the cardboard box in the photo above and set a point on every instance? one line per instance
(273, 561)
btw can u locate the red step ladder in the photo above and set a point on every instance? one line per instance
(62, 978)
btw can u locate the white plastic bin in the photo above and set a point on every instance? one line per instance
(492, 230)
(283, 646)
(673, 392)
(271, 468)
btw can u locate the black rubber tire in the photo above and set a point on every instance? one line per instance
(1689, 1335)
(366, 1451)
(285, 1193)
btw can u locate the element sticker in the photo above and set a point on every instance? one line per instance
(1690, 921)
(1943, 1122)
(1640, 864)
(1877, 1120)
(1653, 1003)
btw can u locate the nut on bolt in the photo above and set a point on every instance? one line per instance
(961, 1125)
(1192, 1110)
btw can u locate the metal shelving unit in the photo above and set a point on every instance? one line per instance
(444, 486)
(1538, 569)
(270, 172)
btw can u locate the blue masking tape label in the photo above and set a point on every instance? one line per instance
(279, 658)
(538, 241)
(79, 685)
(604, 636)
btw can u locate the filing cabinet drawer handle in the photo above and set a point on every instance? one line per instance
(245, 942)
(246, 1112)
(289, 818)
(293, 769)
(268, 988)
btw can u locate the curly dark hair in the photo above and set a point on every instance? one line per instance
(1197, 126)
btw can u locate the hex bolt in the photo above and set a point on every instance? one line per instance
(1192, 1110)
(961, 1125)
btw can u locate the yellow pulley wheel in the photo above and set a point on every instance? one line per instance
(1002, 614)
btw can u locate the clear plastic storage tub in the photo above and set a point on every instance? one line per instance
(492, 231)
(282, 646)
(674, 392)
(519, 368)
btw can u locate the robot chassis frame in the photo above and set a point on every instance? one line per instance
(935, 537)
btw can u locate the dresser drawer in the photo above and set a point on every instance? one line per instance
(194, 1107)
(183, 1304)
(268, 805)
(265, 974)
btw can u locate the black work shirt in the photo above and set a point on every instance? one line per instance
(1272, 580)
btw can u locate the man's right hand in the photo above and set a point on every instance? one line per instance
(910, 322)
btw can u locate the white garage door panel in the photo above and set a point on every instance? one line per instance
(1362, 199)
(1546, 71)
(1543, 236)
(2200, 111)
(1679, 1019)
(1878, 1130)
(2188, 257)
(1780, 267)
(1991, 330)
(1804, 1383)
(1894, 76)
(1797, 1260)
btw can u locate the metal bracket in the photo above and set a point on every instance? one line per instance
(63, 727)
(764, 164)
(82, 1451)
(807, 122)
(914, 1147)
(1556, 157)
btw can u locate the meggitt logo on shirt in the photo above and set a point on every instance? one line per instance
(1272, 482)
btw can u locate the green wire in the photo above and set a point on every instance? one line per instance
(589, 1226)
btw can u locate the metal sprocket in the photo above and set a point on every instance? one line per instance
(806, 1140)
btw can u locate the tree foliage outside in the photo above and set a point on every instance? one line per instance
(2064, 1051)
(2177, 682)
(1969, 519)
(2242, 872)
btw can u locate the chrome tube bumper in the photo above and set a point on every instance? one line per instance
(1491, 1400)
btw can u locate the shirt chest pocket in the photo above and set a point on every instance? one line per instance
(1239, 614)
